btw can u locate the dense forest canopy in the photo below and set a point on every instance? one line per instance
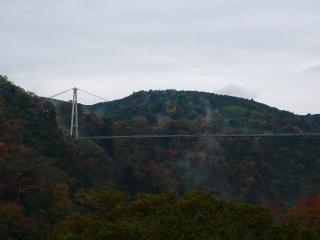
(256, 170)
(52, 186)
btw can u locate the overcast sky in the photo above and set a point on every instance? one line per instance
(262, 49)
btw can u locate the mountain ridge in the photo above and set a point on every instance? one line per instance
(241, 169)
(168, 92)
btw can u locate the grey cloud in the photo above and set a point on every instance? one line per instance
(315, 69)
(145, 44)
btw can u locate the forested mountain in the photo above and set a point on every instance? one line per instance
(256, 170)
(54, 187)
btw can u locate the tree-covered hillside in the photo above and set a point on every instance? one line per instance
(257, 170)
(54, 187)
(40, 168)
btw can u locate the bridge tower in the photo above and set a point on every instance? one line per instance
(74, 114)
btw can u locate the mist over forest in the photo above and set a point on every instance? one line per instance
(53, 186)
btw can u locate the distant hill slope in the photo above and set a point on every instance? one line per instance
(188, 104)
(221, 113)
(248, 169)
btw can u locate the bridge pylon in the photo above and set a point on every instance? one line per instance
(74, 115)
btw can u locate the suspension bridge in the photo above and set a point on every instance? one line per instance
(74, 125)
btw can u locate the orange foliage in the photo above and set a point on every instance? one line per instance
(172, 109)
(13, 217)
(276, 208)
(306, 214)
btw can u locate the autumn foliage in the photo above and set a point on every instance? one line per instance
(306, 215)
(52, 187)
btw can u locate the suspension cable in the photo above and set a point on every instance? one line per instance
(60, 93)
(209, 135)
(104, 99)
